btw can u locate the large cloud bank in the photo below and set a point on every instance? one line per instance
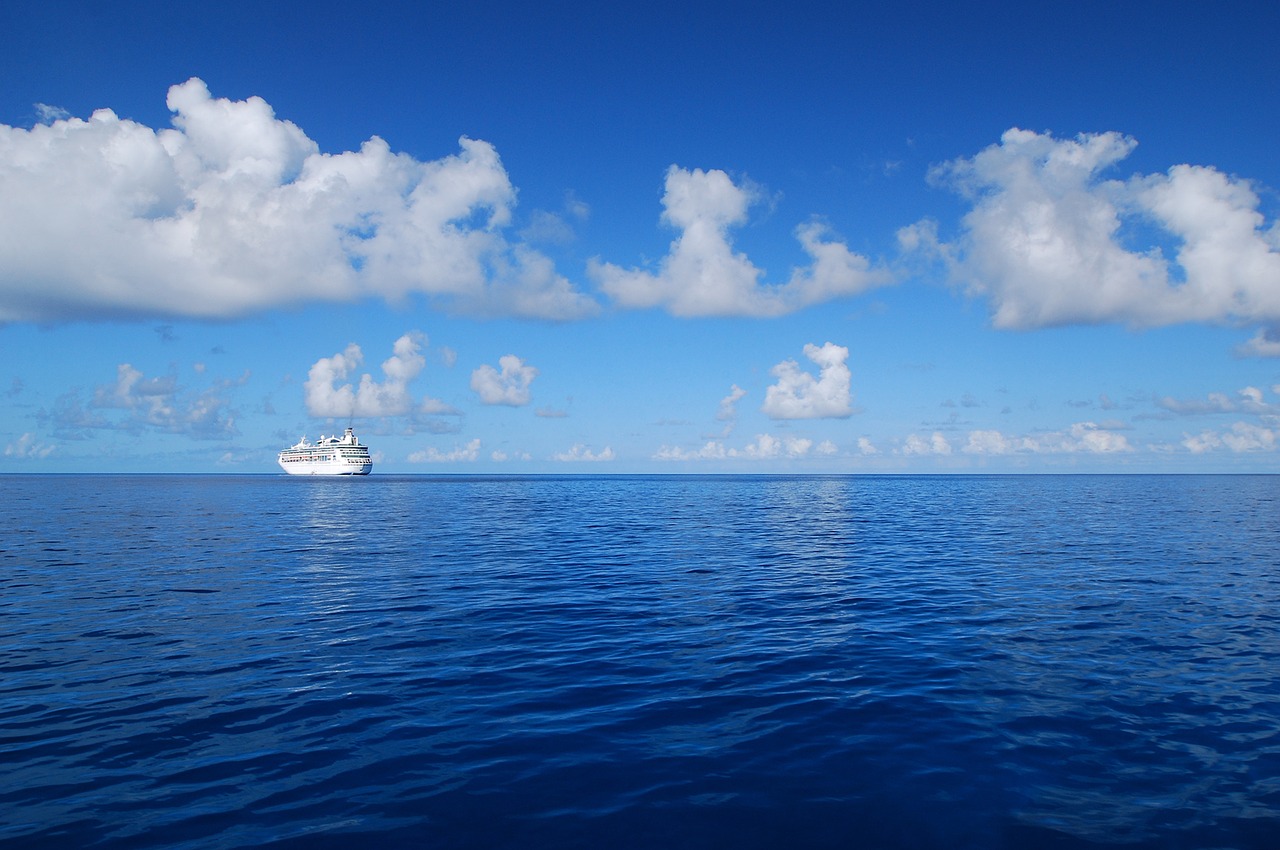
(232, 210)
(235, 210)
(1049, 241)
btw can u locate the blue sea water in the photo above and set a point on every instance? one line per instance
(636, 662)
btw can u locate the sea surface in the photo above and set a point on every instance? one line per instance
(640, 662)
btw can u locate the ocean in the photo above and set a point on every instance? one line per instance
(232, 661)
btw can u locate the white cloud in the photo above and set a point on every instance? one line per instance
(1049, 241)
(547, 228)
(1243, 437)
(28, 447)
(712, 450)
(866, 447)
(798, 395)
(1247, 400)
(729, 404)
(510, 386)
(576, 207)
(1092, 438)
(765, 447)
(1201, 443)
(1264, 343)
(935, 445)
(326, 397)
(703, 276)
(468, 452)
(132, 391)
(580, 452)
(1082, 437)
(159, 404)
(48, 114)
(234, 210)
(992, 442)
(69, 418)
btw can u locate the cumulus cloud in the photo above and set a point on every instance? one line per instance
(729, 404)
(1242, 437)
(702, 275)
(547, 228)
(765, 447)
(768, 446)
(1049, 241)
(49, 113)
(464, 453)
(28, 447)
(936, 444)
(711, 450)
(581, 452)
(510, 386)
(233, 210)
(1082, 437)
(1264, 343)
(1247, 400)
(70, 419)
(329, 396)
(133, 391)
(135, 402)
(799, 395)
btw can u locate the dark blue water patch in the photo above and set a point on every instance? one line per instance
(985, 662)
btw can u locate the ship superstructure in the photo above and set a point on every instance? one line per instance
(327, 456)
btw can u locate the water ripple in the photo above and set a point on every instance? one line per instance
(230, 661)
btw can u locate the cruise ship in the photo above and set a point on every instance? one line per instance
(327, 456)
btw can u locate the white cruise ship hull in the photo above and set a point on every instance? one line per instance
(328, 456)
(325, 467)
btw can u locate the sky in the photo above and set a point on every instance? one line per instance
(584, 238)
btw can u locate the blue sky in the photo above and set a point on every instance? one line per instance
(670, 238)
